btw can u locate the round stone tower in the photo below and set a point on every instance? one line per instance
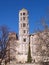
(23, 31)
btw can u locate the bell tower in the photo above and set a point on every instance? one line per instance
(23, 31)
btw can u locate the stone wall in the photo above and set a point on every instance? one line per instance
(40, 46)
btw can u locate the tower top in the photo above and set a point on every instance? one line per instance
(23, 10)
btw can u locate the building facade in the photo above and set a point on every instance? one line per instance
(12, 46)
(23, 33)
(39, 42)
(39, 46)
(36, 41)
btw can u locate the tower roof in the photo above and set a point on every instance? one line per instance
(23, 9)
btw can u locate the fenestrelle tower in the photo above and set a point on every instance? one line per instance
(23, 31)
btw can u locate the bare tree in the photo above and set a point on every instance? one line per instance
(3, 41)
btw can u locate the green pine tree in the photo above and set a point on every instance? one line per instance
(29, 58)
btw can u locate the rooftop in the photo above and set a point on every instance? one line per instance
(23, 9)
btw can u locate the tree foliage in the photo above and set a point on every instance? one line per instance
(29, 58)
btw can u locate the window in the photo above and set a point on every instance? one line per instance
(20, 13)
(24, 39)
(23, 13)
(24, 24)
(23, 18)
(24, 31)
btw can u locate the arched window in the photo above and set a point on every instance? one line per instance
(24, 39)
(24, 24)
(24, 13)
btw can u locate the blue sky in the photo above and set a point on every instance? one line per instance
(9, 10)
